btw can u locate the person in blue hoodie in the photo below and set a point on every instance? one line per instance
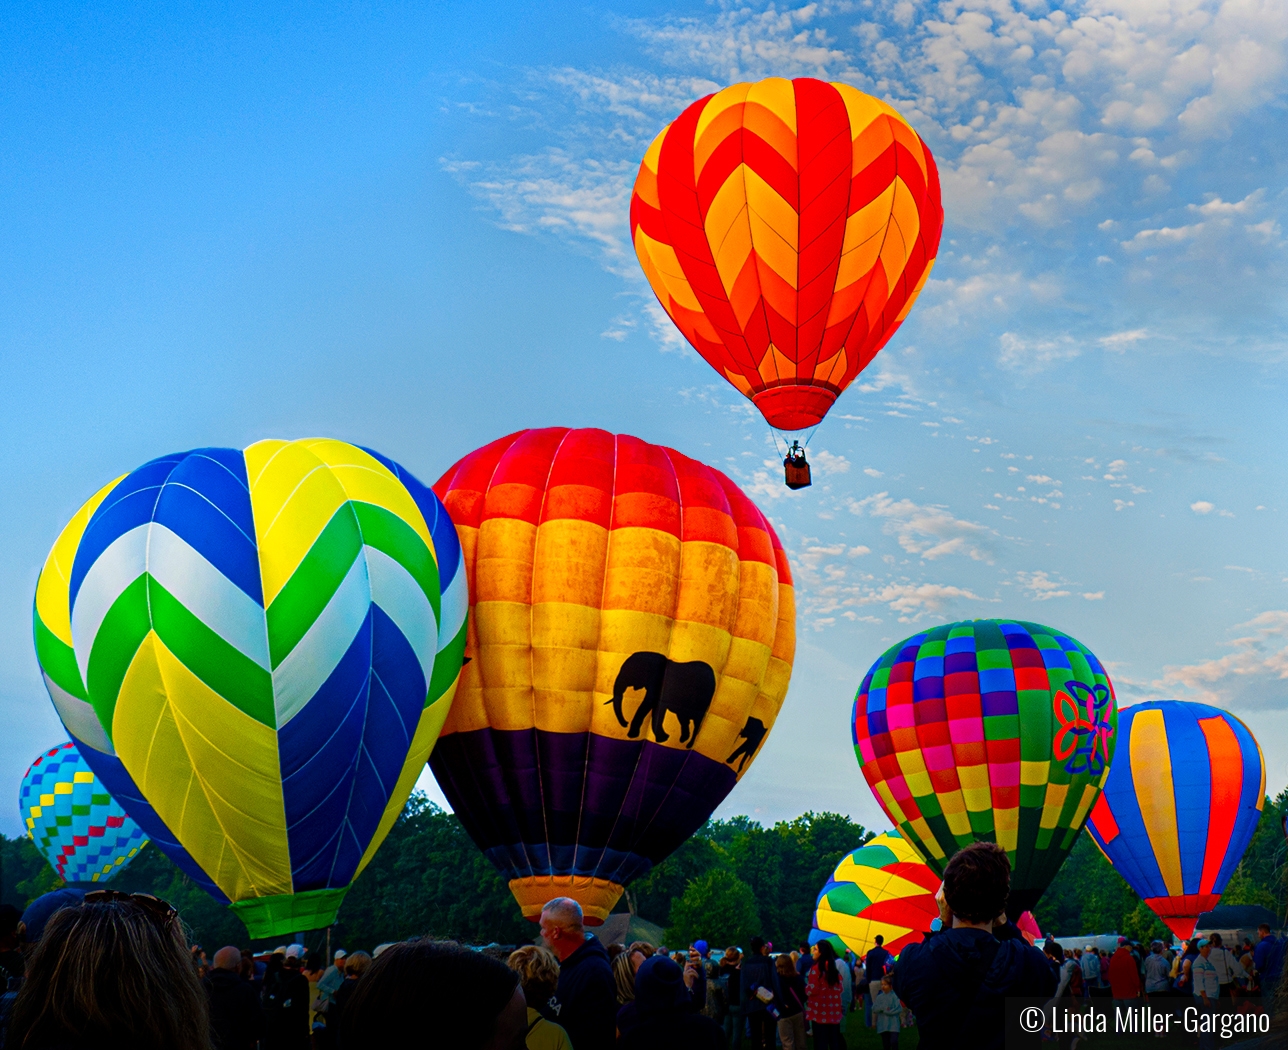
(956, 981)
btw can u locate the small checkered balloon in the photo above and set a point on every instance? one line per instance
(77, 826)
(988, 730)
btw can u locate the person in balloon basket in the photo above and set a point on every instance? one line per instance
(759, 992)
(957, 981)
(585, 1002)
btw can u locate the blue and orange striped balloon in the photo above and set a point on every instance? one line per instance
(1182, 800)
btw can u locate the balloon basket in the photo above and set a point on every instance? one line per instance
(795, 468)
(597, 897)
(289, 913)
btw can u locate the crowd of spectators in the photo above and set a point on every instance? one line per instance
(108, 970)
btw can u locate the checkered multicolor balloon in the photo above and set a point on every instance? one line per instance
(77, 826)
(996, 730)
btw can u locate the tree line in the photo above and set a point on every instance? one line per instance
(733, 879)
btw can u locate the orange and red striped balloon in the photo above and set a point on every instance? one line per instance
(787, 227)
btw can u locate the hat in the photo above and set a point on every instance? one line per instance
(1122, 940)
(340, 953)
(1203, 942)
(42, 909)
(375, 953)
(295, 951)
(280, 950)
(700, 947)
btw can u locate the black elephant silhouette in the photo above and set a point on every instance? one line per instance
(685, 689)
(751, 736)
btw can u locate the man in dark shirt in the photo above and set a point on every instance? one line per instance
(236, 1020)
(956, 981)
(585, 1002)
(874, 964)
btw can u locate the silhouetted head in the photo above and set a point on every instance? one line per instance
(113, 973)
(977, 882)
(473, 1000)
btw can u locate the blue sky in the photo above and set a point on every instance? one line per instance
(406, 226)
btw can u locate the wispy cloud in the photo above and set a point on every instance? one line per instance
(927, 530)
(1253, 676)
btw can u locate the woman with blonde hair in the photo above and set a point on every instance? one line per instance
(624, 967)
(538, 971)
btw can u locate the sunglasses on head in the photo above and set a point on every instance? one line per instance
(161, 912)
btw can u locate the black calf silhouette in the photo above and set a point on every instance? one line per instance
(752, 734)
(684, 689)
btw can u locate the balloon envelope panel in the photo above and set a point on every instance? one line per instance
(73, 820)
(996, 730)
(255, 651)
(1180, 805)
(630, 644)
(882, 888)
(786, 227)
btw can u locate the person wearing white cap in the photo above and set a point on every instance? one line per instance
(328, 984)
(1207, 986)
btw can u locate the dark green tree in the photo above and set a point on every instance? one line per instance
(1086, 896)
(428, 878)
(652, 896)
(718, 907)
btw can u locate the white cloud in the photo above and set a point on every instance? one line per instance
(1254, 675)
(1118, 342)
(929, 531)
(872, 472)
(1094, 596)
(916, 599)
(1032, 355)
(827, 463)
(1202, 507)
(1040, 586)
(580, 199)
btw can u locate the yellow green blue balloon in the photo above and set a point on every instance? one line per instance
(255, 651)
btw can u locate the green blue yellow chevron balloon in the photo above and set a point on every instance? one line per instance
(255, 650)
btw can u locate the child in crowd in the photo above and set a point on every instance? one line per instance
(886, 1011)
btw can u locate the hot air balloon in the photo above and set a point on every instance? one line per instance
(883, 887)
(254, 651)
(787, 227)
(1180, 805)
(77, 826)
(996, 730)
(630, 644)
